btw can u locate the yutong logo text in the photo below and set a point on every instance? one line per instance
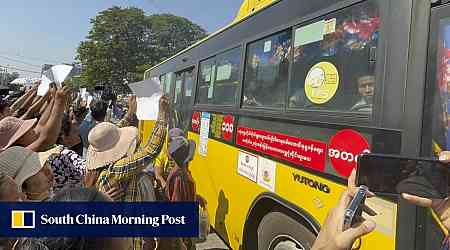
(311, 183)
(85, 219)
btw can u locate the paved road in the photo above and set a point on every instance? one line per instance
(213, 243)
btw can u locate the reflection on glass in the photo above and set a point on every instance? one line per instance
(343, 40)
(266, 71)
(219, 78)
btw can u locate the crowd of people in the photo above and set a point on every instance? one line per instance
(57, 148)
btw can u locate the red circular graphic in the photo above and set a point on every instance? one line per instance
(196, 121)
(345, 146)
(228, 127)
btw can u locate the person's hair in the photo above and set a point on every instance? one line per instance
(98, 110)
(80, 113)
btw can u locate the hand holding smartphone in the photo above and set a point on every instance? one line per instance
(391, 175)
(355, 208)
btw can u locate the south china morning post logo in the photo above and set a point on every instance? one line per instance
(81, 219)
(23, 219)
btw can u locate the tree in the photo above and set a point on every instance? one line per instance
(124, 42)
(171, 34)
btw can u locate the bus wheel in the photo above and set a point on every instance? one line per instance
(278, 231)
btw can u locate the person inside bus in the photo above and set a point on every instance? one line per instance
(366, 90)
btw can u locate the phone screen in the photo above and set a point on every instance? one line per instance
(393, 175)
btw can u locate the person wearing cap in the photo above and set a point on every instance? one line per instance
(9, 192)
(180, 184)
(163, 166)
(112, 158)
(30, 171)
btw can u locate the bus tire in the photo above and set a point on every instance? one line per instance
(275, 227)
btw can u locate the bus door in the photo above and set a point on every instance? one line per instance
(435, 134)
(183, 98)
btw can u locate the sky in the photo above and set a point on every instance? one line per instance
(49, 31)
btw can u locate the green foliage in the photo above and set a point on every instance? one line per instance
(124, 42)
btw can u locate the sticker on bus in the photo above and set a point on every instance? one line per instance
(248, 165)
(222, 127)
(309, 153)
(267, 173)
(196, 121)
(344, 148)
(322, 83)
(204, 134)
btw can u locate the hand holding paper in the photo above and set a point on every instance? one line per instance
(60, 73)
(44, 86)
(148, 93)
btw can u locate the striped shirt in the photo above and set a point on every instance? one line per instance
(125, 171)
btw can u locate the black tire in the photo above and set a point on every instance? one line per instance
(276, 226)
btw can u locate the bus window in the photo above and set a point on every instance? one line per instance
(178, 86)
(227, 77)
(436, 110)
(332, 68)
(219, 78)
(168, 83)
(162, 80)
(266, 71)
(206, 82)
(188, 86)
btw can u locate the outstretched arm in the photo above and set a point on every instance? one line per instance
(50, 131)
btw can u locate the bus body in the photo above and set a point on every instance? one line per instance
(282, 102)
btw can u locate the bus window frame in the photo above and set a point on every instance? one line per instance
(236, 105)
(323, 116)
(247, 44)
(331, 117)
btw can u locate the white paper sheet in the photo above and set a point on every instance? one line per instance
(44, 87)
(148, 107)
(148, 93)
(146, 88)
(60, 73)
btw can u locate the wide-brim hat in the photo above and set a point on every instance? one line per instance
(108, 144)
(11, 129)
(182, 150)
(21, 163)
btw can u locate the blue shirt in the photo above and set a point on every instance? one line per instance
(85, 127)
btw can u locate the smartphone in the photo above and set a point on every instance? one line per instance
(354, 209)
(392, 175)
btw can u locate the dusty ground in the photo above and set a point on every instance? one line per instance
(213, 243)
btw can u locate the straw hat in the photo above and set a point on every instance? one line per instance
(21, 163)
(11, 129)
(108, 144)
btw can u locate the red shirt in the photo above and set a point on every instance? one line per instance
(180, 185)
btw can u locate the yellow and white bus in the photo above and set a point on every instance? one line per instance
(283, 100)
